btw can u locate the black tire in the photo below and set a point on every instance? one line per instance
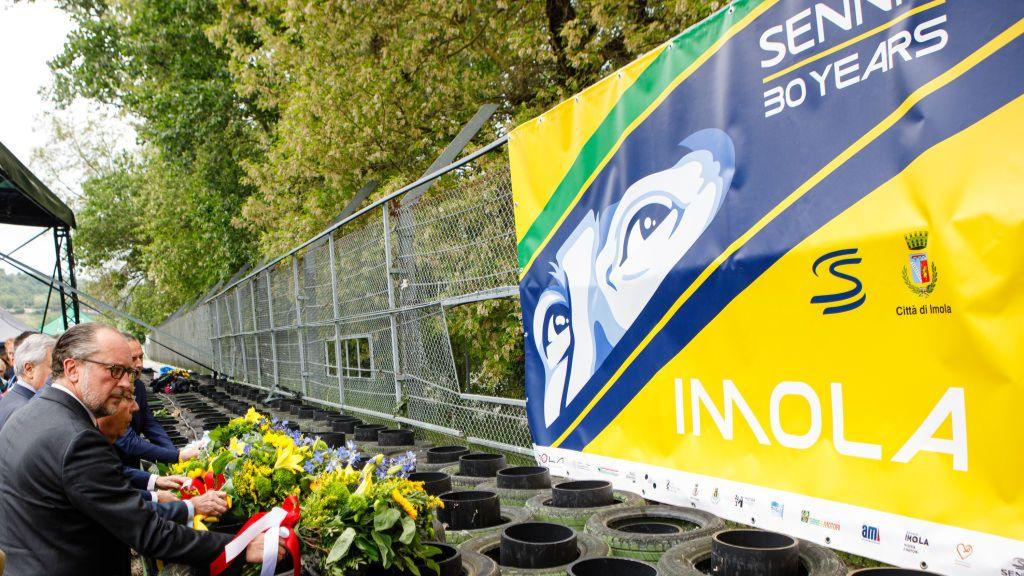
(590, 547)
(478, 564)
(423, 466)
(512, 496)
(649, 547)
(576, 518)
(513, 515)
(462, 482)
(682, 559)
(372, 449)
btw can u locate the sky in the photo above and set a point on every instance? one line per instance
(31, 33)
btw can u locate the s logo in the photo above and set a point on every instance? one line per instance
(849, 299)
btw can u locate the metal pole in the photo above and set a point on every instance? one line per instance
(241, 328)
(49, 292)
(303, 371)
(60, 280)
(215, 325)
(70, 248)
(337, 319)
(273, 337)
(256, 333)
(26, 242)
(392, 321)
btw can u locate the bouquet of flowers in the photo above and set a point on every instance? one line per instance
(374, 516)
(350, 518)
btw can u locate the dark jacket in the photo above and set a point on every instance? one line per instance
(155, 447)
(173, 511)
(65, 506)
(15, 399)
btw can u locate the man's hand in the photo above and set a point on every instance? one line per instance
(212, 503)
(165, 496)
(188, 453)
(254, 551)
(170, 482)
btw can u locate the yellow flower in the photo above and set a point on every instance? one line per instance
(196, 473)
(405, 504)
(278, 440)
(252, 416)
(365, 485)
(288, 459)
(197, 523)
(236, 446)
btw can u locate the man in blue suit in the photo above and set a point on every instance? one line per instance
(31, 369)
(145, 438)
(155, 494)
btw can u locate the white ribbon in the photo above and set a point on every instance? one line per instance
(269, 520)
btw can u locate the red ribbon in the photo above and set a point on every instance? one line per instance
(202, 485)
(291, 540)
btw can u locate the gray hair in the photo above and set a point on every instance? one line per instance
(129, 336)
(78, 342)
(32, 349)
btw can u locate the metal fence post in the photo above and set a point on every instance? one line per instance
(273, 336)
(215, 333)
(303, 371)
(392, 321)
(241, 333)
(256, 333)
(337, 319)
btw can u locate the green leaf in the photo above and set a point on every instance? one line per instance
(221, 462)
(432, 566)
(411, 566)
(369, 548)
(430, 551)
(384, 544)
(341, 545)
(386, 519)
(408, 530)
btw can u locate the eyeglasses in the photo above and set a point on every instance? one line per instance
(117, 371)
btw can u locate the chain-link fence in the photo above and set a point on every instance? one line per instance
(356, 318)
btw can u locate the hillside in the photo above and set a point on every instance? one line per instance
(24, 297)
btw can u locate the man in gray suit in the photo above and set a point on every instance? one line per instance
(31, 368)
(65, 507)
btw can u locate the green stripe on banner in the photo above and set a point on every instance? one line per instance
(649, 86)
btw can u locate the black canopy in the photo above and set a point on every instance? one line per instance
(25, 200)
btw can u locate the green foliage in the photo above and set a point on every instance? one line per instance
(156, 228)
(493, 365)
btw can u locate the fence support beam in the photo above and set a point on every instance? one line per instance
(303, 370)
(392, 319)
(336, 317)
(273, 336)
(240, 338)
(256, 334)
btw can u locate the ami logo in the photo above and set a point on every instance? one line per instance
(869, 533)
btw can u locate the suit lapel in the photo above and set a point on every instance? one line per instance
(23, 392)
(63, 398)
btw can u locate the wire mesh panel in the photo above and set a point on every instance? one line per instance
(356, 318)
(458, 240)
(361, 266)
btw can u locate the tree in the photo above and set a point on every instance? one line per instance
(160, 223)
